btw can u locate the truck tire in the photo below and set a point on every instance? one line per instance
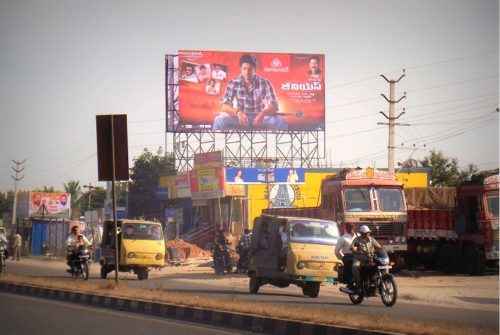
(473, 263)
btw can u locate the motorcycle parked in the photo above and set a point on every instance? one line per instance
(3, 255)
(376, 280)
(222, 259)
(80, 262)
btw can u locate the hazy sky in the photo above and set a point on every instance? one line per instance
(63, 62)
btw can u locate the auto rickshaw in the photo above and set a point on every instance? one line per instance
(290, 250)
(141, 247)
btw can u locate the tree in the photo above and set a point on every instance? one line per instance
(73, 187)
(144, 177)
(445, 171)
(97, 200)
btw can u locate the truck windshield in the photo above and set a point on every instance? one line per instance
(493, 206)
(142, 231)
(390, 200)
(357, 199)
(317, 232)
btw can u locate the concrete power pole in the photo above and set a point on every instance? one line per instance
(18, 170)
(392, 118)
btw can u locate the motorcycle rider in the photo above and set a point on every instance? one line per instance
(72, 244)
(343, 252)
(243, 249)
(220, 244)
(3, 244)
(363, 248)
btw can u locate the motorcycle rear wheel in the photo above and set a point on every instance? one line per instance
(85, 271)
(388, 291)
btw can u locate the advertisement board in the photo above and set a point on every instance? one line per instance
(207, 183)
(49, 205)
(258, 175)
(288, 86)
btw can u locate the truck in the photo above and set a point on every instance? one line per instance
(455, 229)
(449, 229)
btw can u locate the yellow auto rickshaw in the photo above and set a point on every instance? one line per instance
(292, 250)
(141, 247)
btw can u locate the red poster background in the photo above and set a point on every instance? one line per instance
(300, 96)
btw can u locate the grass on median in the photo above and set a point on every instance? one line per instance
(312, 314)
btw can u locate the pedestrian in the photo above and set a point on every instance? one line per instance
(17, 246)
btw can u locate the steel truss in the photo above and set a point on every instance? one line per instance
(240, 148)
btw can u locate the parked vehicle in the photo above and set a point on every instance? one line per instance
(141, 247)
(80, 262)
(375, 279)
(3, 255)
(292, 250)
(451, 229)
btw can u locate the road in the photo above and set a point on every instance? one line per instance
(23, 315)
(473, 311)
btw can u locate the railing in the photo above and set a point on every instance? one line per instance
(197, 233)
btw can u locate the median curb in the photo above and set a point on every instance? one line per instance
(223, 319)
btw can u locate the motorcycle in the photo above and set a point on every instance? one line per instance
(375, 279)
(80, 262)
(222, 259)
(3, 255)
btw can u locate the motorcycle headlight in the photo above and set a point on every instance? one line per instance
(301, 265)
(384, 260)
(403, 239)
(130, 255)
(158, 257)
(398, 239)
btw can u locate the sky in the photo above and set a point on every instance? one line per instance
(64, 62)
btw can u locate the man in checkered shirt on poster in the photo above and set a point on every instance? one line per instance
(256, 103)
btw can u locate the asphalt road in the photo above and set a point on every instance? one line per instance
(21, 315)
(330, 299)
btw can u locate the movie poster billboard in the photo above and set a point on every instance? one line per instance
(49, 205)
(265, 175)
(288, 87)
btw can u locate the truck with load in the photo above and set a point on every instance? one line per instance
(455, 229)
(451, 229)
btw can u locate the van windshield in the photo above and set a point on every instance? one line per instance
(317, 232)
(142, 231)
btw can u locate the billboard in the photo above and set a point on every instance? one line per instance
(258, 175)
(207, 183)
(49, 205)
(225, 91)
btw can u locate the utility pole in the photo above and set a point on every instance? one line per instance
(18, 170)
(392, 118)
(90, 187)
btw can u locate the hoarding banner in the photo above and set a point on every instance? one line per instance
(292, 85)
(207, 183)
(208, 159)
(49, 205)
(258, 175)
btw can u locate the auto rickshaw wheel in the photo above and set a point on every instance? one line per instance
(311, 289)
(104, 271)
(142, 273)
(254, 283)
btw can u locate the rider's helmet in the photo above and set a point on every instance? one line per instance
(364, 229)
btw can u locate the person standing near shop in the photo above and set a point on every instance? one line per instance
(18, 242)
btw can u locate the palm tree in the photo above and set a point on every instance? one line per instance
(73, 187)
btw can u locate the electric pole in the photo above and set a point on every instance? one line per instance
(90, 187)
(17, 170)
(392, 118)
